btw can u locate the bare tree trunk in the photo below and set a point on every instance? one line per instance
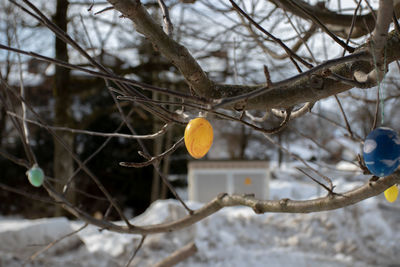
(280, 152)
(157, 147)
(63, 162)
(243, 141)
(166, 160)
(2, 123)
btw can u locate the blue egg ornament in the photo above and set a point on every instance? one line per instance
(35, 176)
(382, 151)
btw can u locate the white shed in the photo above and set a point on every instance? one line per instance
(206, 179)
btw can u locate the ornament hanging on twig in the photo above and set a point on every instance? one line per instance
(35, 176)
(391, 193)
(198, 137)
(382, 151)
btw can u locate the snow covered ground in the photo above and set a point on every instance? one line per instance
(366, 234)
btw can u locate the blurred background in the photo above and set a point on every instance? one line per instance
(229, 50)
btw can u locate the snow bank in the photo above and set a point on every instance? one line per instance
(20, 239)
(361, 235)
(366, 234)
(24, 237)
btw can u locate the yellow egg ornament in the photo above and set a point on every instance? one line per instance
(198, 137)
(391, 193)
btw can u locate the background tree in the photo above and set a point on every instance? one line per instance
(260, 66)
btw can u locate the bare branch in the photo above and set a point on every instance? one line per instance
(344, 116)
(169, 28)
(353, 23)
(175, 52)
(379, 35)
(294, 114)
(323, 27)
(154, 158)
(330, 202)
(57, 241)
(377, 45)
(104, 10)
(330, 191)
(338, 23)
(75, 157)
(329, 181)
(27, 194)
(67, 129)
(14, 159)
(136, 251)
(178, 256)
(295, 87)
(290, 53)
(111, 77)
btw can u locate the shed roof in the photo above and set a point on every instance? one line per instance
(228, 164)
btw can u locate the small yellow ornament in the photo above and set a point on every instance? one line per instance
(198, 137)
(248, 181)
(391, 193)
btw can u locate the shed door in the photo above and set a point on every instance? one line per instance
(253, 183)
(210, 185)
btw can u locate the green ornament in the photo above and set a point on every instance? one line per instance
(35, 176)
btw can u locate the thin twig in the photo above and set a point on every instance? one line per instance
(75, 157)
(169, 27)
(14, 159)
(353, 23)
(218, 114)
(78, 131)
(378, 100)
(136, 251)
(371, 10)
(91, 6)
(22, 92)
(86, 31)
(396, 23)
(330, 191)
(267, 76)
(27, 194)
(329, 181)
(111, 77)
(258, 26)
(323, 27)
(100, 148)
(142, 145)
(104, 10)
(344, 116)
(303, 40)
(56, 241)
(178, 256)
(156, 110)
(154, 158)
(355, 136)
(294, 114)
(254, 118)
(5, 99)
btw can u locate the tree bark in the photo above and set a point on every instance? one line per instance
(63, 162)
(309, 86)
(157, 149)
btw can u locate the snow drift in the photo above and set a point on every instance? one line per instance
(366, 234)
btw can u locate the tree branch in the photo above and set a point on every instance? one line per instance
(178, 256)
(295, 90)
(330, 202)
(176, 53)
(377, 45)
(339, 23)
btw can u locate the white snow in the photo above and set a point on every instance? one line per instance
(365, 234)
